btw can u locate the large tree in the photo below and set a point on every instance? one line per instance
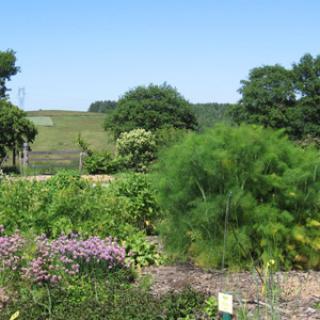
(267, 94)
(283, 98)
(8, 69)
(151, 108)
(15, 129)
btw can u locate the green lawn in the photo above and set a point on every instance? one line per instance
(66, 127)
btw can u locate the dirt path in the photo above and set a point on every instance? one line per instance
(103, 178)
(298, 292)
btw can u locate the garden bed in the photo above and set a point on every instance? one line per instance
(299, 292)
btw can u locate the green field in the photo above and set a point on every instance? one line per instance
(66, 127)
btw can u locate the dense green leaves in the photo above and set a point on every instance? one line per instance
(208, 114)
(15, 128)
(151, 108)
(102, 106)
(138, 147)
(273, 189)
(66, 203)
(283, 98)
(8, 69)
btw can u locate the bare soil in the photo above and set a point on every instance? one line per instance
(297, 293)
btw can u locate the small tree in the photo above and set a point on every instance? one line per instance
(151, 108)
(8, 69)
(15, 128)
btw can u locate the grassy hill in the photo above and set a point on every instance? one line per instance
(62, 132)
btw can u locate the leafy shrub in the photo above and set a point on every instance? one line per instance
(268, 185)
(142, 208)
(67, 203)
(101, 163)
(168, 136)
(138, 147)
(141, 253)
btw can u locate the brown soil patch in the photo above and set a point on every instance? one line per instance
(298, 292)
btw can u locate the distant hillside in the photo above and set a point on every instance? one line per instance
(58, 130)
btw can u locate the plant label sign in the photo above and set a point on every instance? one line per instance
(225, 303)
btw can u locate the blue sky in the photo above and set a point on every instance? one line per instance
(73, 52)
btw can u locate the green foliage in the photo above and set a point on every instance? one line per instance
(143, 209)
(15, 127)
(67, 203)
(101, 163)
(168, 136)
(151, 108)
(102, 106)
(113, 299)
(283, 98)
(141, 253)
(138, 147)
(273, 188)
(208, 114)
(8, 69)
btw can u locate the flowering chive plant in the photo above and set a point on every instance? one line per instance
(10, 246)
(71, 256)
(51, 261)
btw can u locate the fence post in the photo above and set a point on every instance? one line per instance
(25, 152)
(82, 155)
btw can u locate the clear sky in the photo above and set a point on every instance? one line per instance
(73, 52)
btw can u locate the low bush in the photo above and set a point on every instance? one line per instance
(138, 147)
(101, 163)
(66, 203)
(268, 186)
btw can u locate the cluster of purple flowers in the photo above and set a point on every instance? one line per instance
(9, 250)
(72, 256)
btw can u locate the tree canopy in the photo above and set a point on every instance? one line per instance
(150, 108)
(8, 69)
(102, 106)
(15, 128)
(278, 97)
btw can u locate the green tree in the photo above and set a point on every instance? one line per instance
(102, 106)
(8, 69)
(151, 108)
(267, 95)
(15, 128)
(283, 98)
(307, 84)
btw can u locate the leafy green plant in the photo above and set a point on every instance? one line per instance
(141, 253)
(101, 163)
(138, 147)
(267, 186)
(66, 203)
